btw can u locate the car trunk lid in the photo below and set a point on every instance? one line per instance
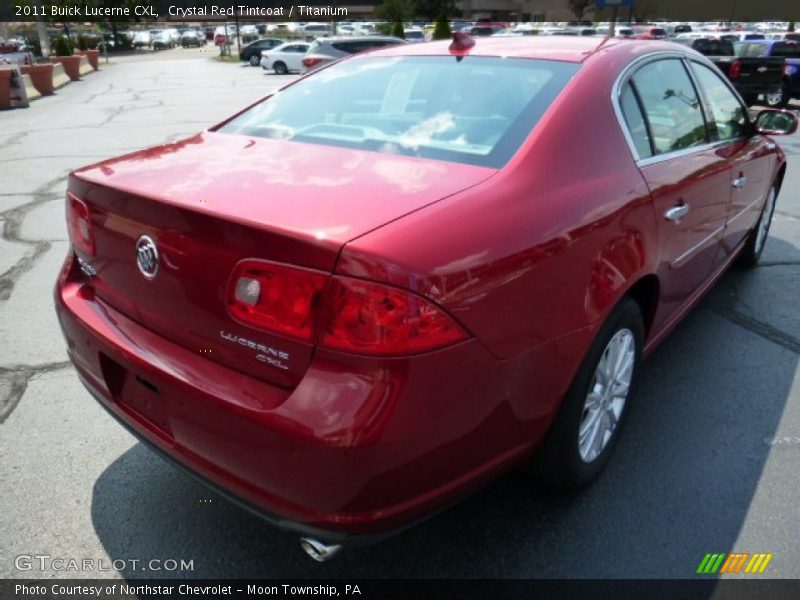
(213, 200)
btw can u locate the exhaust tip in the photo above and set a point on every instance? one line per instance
(319, 551)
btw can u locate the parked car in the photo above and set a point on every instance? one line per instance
(163, 41)
(286, 58)
(789, 51)
(413, 36)
(368, 294)
(193, 38)
(252, 52)
(484, 30)
(752, 76)
(649, 33)
(325, 50)
(313, 30)
(742, 36)
(142, 39)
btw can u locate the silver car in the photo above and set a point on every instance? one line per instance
(327, 49)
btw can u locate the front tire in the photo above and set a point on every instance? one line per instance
(587, 426)
(751, 253)
(254, 60)
(280, 68)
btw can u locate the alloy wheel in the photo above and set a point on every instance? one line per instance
(764, 222)
(607, 395)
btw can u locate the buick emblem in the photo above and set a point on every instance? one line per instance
(147, 256)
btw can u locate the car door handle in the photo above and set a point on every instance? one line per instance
(676, 213)
(739, 182)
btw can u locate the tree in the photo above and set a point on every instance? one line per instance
(433, 9)
(394, 10)
(397, 30)
(442, 29)
(642, 10)
(580, 7)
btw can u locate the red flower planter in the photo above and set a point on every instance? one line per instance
(72, 65)
(93, 56)
(41, 77)
(5, 87)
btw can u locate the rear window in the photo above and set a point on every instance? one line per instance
(786, 49)
(753, 50)
(713, 47)
(477, 110)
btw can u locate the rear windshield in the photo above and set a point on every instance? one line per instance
(753, 50)
(477, 110)
(713, 47)
(786, 49)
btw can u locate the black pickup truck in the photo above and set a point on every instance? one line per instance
(752, 76)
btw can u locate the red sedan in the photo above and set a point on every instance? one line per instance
(397, 278)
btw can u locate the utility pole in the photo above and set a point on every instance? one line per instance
(612, 28)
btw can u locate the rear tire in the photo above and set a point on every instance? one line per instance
(588, 424)
(280, 68)
(780, 97)
(254, 60)
(753, 248)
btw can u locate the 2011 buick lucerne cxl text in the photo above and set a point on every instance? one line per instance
(409, 272)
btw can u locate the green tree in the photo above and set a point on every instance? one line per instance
(580, 7)
(394, 10)
(433, 9)
(442, 29)
(397, 30)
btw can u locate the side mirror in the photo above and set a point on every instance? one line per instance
(772, 121)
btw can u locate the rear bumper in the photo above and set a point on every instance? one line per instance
(359, 449)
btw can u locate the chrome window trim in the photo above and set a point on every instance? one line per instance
(627, 73)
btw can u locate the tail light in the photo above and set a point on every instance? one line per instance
(370, 318)
(311, 62)
(276, 297)
(736, 69)
(79, 223)
(339, 313)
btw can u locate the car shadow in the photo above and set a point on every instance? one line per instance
(680, 484)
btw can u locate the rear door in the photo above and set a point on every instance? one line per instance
(293, 56)
(750, 158)
(688, 179)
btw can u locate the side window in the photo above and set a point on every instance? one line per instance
(727, 113)
(634, 119)
(671, 106)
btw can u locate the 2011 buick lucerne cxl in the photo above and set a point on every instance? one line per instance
(373, 291)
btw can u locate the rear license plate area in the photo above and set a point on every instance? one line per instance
(136, 394)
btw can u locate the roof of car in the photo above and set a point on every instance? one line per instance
(355, 38)
(568, 48)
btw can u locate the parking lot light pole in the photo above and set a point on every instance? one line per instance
(612, 28)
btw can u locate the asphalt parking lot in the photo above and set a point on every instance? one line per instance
(708, 462)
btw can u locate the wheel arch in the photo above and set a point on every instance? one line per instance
(645, 292)
(781, 174)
